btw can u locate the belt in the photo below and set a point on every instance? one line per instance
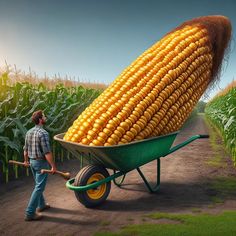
(37, 158)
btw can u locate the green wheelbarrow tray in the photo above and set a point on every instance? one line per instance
(124, 158)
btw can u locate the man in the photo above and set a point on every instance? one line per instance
(37, 153)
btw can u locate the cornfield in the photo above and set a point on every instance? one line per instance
(221, 112)
(17, 103)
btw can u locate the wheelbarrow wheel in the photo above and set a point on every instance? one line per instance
(88, 175)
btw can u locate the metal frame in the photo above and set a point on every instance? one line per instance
(152, 189)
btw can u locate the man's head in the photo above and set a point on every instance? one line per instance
(39, 118)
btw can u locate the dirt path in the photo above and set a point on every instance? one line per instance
(185, 187)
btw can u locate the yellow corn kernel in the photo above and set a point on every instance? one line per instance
(157, 92)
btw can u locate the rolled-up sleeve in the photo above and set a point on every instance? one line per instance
(44, 141)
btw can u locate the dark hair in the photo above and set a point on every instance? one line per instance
(36, 116)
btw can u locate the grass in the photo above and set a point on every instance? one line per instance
(163, 215)
(215, 161)
(226, 186)
(194, 225)
(105, 223)
(217, 200)
(211, 206)
(196, 210)
(201, 113)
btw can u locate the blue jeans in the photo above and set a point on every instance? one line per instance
(37, 199)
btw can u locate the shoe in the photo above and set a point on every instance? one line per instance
(36, 216)
(47, 206)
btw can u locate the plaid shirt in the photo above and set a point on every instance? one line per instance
(37, 142)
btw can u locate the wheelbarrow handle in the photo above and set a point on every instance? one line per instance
(204, 136)
(18, 163)
(191, 139)
(65, 175)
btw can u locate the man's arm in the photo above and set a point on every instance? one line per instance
(26, 157)
(49, 159)
(47, 151)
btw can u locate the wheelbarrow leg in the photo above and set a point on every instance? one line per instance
(118, 181)
(157, 186)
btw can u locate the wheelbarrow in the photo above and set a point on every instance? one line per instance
(92, 184)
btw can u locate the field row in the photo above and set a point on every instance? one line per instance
(221, 112)
(17, 103)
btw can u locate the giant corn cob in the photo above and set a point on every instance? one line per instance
(157, 92)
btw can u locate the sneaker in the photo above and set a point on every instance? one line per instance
(47, 206)
(36, 216)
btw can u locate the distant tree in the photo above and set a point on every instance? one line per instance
(201, 106)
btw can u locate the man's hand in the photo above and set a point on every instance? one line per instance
(53, 169)
(26, 164)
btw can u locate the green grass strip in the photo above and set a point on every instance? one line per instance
(186, 224)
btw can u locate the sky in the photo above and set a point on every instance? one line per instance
(94, 40)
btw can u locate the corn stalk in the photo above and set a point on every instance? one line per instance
(17, 103)
(221, 112)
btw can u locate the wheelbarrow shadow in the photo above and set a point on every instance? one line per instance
(171, 196)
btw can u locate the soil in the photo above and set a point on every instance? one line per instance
(186, 187)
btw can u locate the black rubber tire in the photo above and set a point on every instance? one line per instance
(81, 180)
